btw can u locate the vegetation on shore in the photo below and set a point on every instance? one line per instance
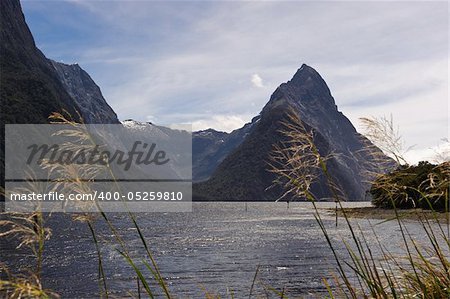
(424, 271)
(424, 186)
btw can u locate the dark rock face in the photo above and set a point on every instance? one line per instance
(33, 87)
(87, 95)
(30, 88)
(211, 147)
(206, 146)
(244, 175)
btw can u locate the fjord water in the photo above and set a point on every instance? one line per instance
(216, 247)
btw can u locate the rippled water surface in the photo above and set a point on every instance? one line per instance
(217, 247)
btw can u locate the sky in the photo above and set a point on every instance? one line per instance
(215, 63)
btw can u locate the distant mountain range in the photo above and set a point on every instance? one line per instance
(211, 147)
(226, 166)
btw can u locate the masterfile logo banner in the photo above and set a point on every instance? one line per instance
(90, 168)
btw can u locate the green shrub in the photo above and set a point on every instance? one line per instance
(422, 186)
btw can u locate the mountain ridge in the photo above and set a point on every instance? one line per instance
(244, 175)
(86, 94)
(30, 89)
(227, 166)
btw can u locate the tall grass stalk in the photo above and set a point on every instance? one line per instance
(30, 233)
(422, 273)
(84, 137)
(29, 228)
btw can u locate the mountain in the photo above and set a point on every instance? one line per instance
(145, 128)
(244, 175)
(33, 87)
(86, 94)
(227, 166)
(175, 143)
(211, 147)
(30, 87)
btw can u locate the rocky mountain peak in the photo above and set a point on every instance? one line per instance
(244, 174)
(15, 32)
(305, 73)
(93, 107)
(306, 90)
(31, 90)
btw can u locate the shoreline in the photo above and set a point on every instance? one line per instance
(389, 214)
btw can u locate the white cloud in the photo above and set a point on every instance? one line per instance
(257, 81)
(226, 123)
(192, 65)
(436, 154)
(152, 118)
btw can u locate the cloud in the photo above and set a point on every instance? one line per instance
(257, 81)
(436, 154)
(190, 61)
(224, 123)
(151, 118)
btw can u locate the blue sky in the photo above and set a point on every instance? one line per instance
(215, 64)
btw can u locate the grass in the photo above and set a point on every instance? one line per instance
(422, 271)
(30, 228)
(425, 270)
